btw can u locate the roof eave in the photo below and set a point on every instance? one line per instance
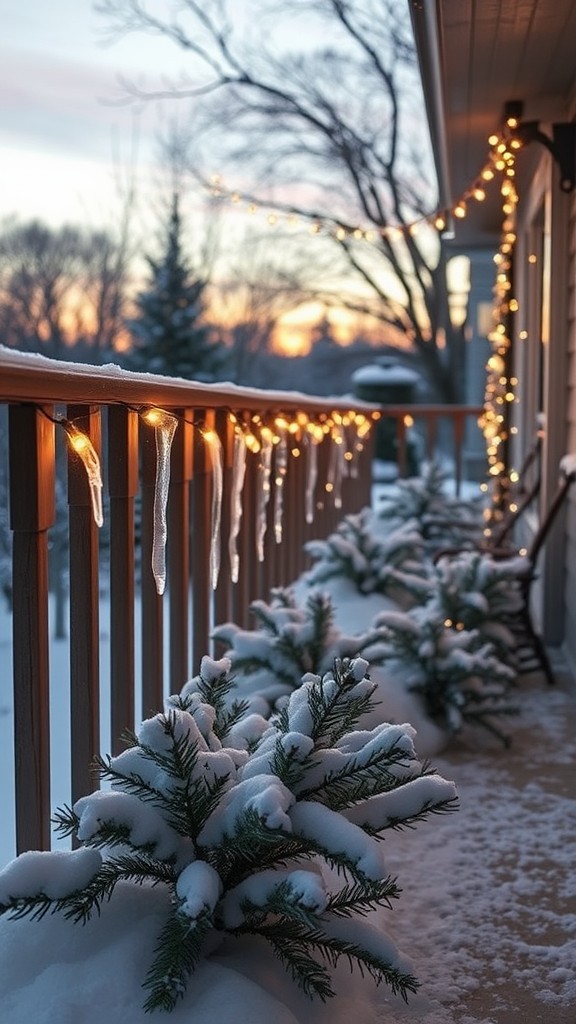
(427, 37)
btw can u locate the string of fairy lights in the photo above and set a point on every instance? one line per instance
(501, 384)
(283, 435)
(290, 434)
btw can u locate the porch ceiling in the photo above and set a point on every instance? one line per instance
(475, 55)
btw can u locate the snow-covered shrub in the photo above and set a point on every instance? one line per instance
(459, 675)
(268, 662)
(441, 518)
(239, 838)
(472, 591)
(389, 564)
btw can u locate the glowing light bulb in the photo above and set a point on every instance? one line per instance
(164, 424)
(82, 445)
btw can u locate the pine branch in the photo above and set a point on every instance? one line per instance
(253, 847)
(410, 821)
(295, 944)
(82, 903)
(265, 617)
(363, 898)
(247, 666)
(312, 977)
(185, 808)
(358, 780)
(321, 612)
(66, 821)
(280, 903)
(214, 693)
(336, 713)
(178, 950)
(286, 767)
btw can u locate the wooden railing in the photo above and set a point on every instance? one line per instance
(106, 404)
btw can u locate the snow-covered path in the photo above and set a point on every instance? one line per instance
(488, 911)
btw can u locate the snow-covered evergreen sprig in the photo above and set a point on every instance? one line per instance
(441, 518)
(460, 675)
(389, 563)
(238, 838)
(473, 591)
(290, 640)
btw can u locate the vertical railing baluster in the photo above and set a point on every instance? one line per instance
(32, 473)
(84, 612)
(223, 593)
(458, 439)
(401, 454)
(431, 436)
(123, 487)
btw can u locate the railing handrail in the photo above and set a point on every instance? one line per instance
(37, 378)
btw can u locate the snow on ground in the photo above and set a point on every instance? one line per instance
(487, 915)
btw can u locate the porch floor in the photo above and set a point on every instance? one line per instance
(488, 911)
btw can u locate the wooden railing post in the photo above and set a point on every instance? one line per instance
(122, 487)
(31, 513)
(459, 423)
(84, 611)
(223, 594)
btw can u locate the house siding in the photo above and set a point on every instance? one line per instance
(570, 526)
(545, 365)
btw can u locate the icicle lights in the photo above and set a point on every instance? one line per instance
(314, 436)
(164, 424)
(215, 450)
(82, 445)
(280, 470)
(238, 476)
(264, 489)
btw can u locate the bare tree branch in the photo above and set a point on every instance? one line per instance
(337, 116)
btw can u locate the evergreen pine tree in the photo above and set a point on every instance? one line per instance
(459, 675)
(390, 563)
(441, 518)
(169, 333)
(470, 590)
(237, 838)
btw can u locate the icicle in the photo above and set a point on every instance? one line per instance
(264, 473)
(215, 449)
(280, 466)
(350, 453)
(339, 464)
(332, 463)
(363, 426)
(164, 424)
(85, 450)
(311, 475)
(238, 476)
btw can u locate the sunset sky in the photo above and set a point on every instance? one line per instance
(69, 150)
